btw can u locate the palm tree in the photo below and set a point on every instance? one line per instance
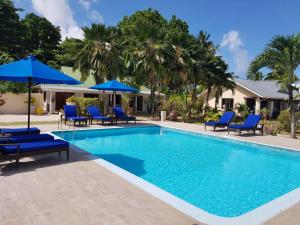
(148, 54)
(99, 53)
(282, 56)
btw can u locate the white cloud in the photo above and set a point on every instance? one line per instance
(87, 3)
(236, 47)
(96, 17)
(60, 14)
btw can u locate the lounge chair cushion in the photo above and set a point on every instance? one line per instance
(240, 126)
(104, 118)
(27, 138)
(250, 122)
(35, 146)
(224, 120)
(77, 118)
(94, 111)
(120, 114)
(214, 123)
(20, 131)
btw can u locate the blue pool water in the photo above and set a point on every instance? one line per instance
(223, 177)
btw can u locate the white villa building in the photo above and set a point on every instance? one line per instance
(52, 98)
(256, 94)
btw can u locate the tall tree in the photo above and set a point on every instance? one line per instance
(41, 38)
(99, 53)
(66, 52)
(282, 56)
(147, 50)
(11, 30)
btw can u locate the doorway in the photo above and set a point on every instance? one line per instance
(139, 106)
(60, 99)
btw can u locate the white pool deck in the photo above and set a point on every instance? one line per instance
(51, 191)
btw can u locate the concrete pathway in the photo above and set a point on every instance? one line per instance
(47, 190)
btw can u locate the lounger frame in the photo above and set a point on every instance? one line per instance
(255, 128)
(18, 155)
(216, 126)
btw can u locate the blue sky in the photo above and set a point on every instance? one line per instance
(240, 27)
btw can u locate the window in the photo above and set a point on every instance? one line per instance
(227, 104)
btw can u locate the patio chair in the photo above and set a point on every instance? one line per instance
(95, 114)
(18, 131)
(222, 122)
(251, 123)
(121, 115)
(71, 115)
(16, 151)
(26, 138)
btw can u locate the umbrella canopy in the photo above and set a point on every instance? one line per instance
(114, 86)
(31, 71)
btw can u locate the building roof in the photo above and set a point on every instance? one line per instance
(84, 87)
(262, 88)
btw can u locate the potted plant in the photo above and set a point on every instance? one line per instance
(265, 113)
(32, 105)
(71, 100)
(173, 115)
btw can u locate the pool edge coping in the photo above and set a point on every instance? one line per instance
(256, 216)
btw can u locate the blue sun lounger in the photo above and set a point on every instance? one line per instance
(95, 114)
(250, 123)
(16, 151)
(71, 115)
(120, 115)
(26, 138)
(19, 131)
(222, 122)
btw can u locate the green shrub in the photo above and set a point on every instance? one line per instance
(71, 99)
(272, 127)
(285, 121)
(175, 103)
(82, 103)
(242, 109)
(212, 116)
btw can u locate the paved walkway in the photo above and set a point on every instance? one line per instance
(47, 190)
(23, 118)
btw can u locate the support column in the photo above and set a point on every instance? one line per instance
(271, 108)
(50, 102)
(135, 103)
(257, 105)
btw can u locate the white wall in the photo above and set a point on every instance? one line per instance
(15, 104)
(239, 95)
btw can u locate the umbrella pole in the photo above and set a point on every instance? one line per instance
(29, 104)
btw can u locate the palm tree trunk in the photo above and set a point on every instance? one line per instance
(152, 105)
(193, 99)
(207, 97)
(292, 112)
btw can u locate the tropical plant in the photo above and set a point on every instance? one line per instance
(242, 109)
(147, 50)
(99, 53)
(284, 118)
(272, 127)
(282, 56)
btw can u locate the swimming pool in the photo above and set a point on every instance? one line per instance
(224, 177)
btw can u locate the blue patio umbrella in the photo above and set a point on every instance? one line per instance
(31, 71)
(114, 86)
